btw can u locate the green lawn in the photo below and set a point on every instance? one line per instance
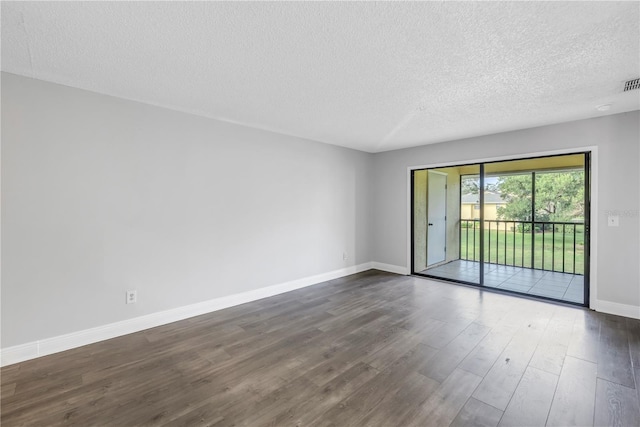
(518, 248)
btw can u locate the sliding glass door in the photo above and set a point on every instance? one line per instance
(518, 226)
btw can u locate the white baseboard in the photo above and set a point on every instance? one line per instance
(32, 350)
(390, 268)
(20, 353)
(618, 309)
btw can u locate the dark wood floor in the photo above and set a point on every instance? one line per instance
(372, 349)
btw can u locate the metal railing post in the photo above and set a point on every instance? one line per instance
(533, 219)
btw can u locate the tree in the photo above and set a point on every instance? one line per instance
(471, 185)
(559, 196)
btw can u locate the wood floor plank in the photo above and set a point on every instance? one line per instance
(477, 414)
(354, 320)
(442, 407)
(531, 401)
(390, 348)
(443, 335)
(333, 353)
(83, 405)
(248, 378)
(355, 407)
(616, 405)
(633, 333)
(308, 412)
(265, 409)
(483, 356)
(8, 389)
(402, 405)
(371, 349)
(637, 375)
(420, 323)
(304, 316)
(498, 385)
(549, 356)
(573, 402)
(614, 359)
(585, 337)
(552, 348)
(333, 359)
(450, 356)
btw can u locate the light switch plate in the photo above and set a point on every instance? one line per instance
(613, 220)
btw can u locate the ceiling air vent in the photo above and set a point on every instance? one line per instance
(631, 85)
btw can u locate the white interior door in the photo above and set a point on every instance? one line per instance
(436, 217)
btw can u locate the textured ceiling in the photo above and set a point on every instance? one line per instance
(370, 76)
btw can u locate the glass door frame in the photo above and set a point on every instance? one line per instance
(481, 164)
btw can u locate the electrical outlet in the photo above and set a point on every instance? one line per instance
(344, 256)
(132, 297)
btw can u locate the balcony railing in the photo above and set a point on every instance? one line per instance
(551, 246)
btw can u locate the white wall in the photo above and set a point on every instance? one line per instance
(101, 195)
(617, 138)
